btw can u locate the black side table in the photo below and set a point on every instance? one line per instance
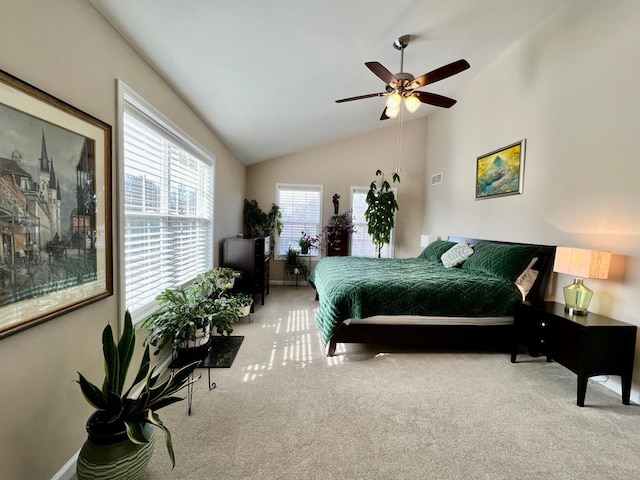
(588, 345)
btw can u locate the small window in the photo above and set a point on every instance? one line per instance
(301, 207)
(361, 243)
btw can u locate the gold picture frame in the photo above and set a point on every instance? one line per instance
(55, 207)
(501, 172)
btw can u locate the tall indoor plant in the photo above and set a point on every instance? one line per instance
(120, 432)
(258, 223)
(381, 210)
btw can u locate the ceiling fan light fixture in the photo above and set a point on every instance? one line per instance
(394, 101)
(392, 112)
(412, 103)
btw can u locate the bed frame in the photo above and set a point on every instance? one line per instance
(486, 337)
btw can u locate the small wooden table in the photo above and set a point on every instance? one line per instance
(588, 345)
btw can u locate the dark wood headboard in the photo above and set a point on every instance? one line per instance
(544, 265)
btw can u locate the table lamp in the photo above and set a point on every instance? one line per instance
(581, 263)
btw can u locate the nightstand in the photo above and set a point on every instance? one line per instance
(588, 345)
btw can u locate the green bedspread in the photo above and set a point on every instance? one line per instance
(354, 287)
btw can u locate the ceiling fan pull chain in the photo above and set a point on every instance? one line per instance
(399, 143)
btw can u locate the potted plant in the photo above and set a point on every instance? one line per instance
(223, 278)
(294, 265)
(243, 302)
(336, 232)
(307, 242)
(258, 223)
(120, 431)
(381, 209)
(183, 320)
(188, 315)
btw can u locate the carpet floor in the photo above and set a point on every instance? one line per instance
(285, 411)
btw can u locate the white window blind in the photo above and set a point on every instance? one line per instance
(301, 207)
(168, 206)
(361, 243)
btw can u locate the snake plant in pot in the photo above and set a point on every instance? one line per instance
(120, 431)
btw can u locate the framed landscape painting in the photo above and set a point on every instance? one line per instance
(500, 172)
(55, 207)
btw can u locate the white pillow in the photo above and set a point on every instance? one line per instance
(456, 254)
(525, 281)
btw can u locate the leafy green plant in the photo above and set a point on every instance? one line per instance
(381, 209)
(184, 311)
(294, 265)
(258, 223)
(242, 299)
(118, 410)
(219, 278)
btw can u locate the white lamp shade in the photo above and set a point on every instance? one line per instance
(394, 100)
(412, 103)
(392, 112)
(582, 263)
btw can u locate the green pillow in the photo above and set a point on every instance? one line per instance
(434, 250)
(507, 261)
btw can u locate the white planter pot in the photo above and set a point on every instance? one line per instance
(225, 283)
(202, 338)
(245, 311)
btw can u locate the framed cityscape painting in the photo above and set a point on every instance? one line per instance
(500, 172)
(55, 207)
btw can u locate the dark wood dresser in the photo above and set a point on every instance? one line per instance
(338, 244)
(251, 257)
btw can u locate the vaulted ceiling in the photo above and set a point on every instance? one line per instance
(264, 75)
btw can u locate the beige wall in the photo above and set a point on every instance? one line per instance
(67, 49)
(353, 162)
(571, 89)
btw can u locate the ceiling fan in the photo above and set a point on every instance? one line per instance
(404, 86)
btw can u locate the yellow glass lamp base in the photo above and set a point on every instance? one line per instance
(577, 298)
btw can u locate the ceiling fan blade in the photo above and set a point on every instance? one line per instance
(384, 114)
(385, 75)
(435, 99)
(360, 97)
(441, 73)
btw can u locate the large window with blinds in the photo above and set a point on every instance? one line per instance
(361, 244)
(167, 204)
(301, 208)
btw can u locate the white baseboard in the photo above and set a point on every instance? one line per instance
(288, 283)
(68, 471)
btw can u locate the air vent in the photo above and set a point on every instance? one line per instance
(436, 179)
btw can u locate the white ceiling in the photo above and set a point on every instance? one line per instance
(265, 74)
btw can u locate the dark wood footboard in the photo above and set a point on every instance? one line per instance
(476, 337)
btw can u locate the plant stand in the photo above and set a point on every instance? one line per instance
(302, 268)
(184, 356)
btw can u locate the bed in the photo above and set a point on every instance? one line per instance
(468, 303)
